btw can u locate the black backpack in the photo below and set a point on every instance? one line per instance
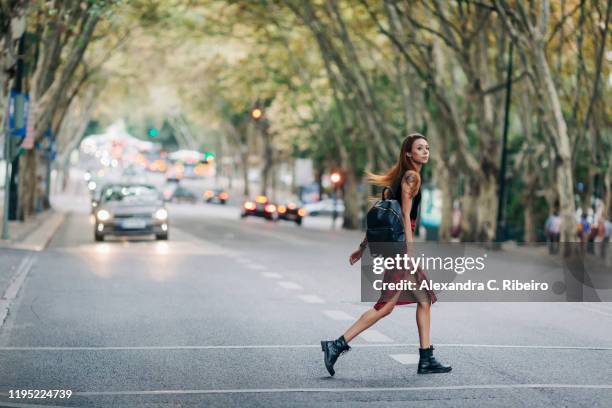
(385, 221)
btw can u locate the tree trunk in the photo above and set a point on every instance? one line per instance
(608, 192)
(244, 158)
(445, 181)
(565, 176)
(351, 197)
(470, 215)
(528, 201)
(27, 184)
(268, 159)
(487, 208)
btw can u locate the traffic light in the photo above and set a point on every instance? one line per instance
(256, 113)
(209, 156)
(335, 178)
(153, 132)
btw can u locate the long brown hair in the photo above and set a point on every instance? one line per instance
(400, 167)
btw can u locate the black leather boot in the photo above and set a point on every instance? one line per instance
(333, 349)
(428, 363)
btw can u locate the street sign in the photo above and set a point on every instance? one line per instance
(18, 112)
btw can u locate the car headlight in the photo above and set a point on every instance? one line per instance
(161, 214)
(103, 215)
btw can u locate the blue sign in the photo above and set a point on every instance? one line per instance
(15, 99)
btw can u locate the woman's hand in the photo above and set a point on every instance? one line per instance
(355, 256)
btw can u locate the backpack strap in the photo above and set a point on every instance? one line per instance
(385, 189)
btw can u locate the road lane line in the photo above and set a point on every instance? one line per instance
(338, 315)
(406, 359)
(271, 275)
(289, 285)
(288, 346)
(349, 389)
(374, 336)
(13, 289)
(23, 405)
(311, 299)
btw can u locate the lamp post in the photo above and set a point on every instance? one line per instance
(500, 230)
(336, 179)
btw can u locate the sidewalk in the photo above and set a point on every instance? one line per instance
(33, 234)
(16, 256)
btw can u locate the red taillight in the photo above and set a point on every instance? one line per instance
(223, 196)
(281, 209)
(301, 212)
(249, 205)
(291, 206)
(270, 208)
(209, 194)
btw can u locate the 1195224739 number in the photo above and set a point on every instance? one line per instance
(40, 394)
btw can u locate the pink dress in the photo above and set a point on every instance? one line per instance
(405, 297)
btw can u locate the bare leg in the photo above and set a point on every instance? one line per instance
(369, 318)
(423, 319)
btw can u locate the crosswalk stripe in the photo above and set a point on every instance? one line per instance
(256, 267)
(271, 275)
(405, 358)
(289, 285)
(311, 299)
(374, 336)
(338, 315)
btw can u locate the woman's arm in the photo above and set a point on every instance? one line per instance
(356, 255)
(410, 186)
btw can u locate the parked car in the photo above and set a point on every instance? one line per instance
(216, 195)
(260, 207)
(130, 209)
(324, 207)
(176, 193)
(291, 211)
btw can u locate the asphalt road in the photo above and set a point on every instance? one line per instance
(230, 312)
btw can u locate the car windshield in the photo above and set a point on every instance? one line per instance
(130, 194)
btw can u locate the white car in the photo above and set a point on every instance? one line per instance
(324, 207)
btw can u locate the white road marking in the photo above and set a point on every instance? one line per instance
(338, 315)
(311, 299)
(20, 405)
(288, 346)
(289, 285)
(349, 389)
(271, 275)
(256, 267)
(13, 289)
(596, 310)
(405, 358)
(374, 336)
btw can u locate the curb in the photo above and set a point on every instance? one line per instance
(40, 237)
(13, 289)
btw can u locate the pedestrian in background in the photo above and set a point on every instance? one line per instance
(405, 182)
(552, 231)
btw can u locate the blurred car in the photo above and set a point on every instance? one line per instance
(176, 193)
(95, 197)
(324, 207)
(260, 207)
(216, 195)
(130, 209)
(291, 211)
